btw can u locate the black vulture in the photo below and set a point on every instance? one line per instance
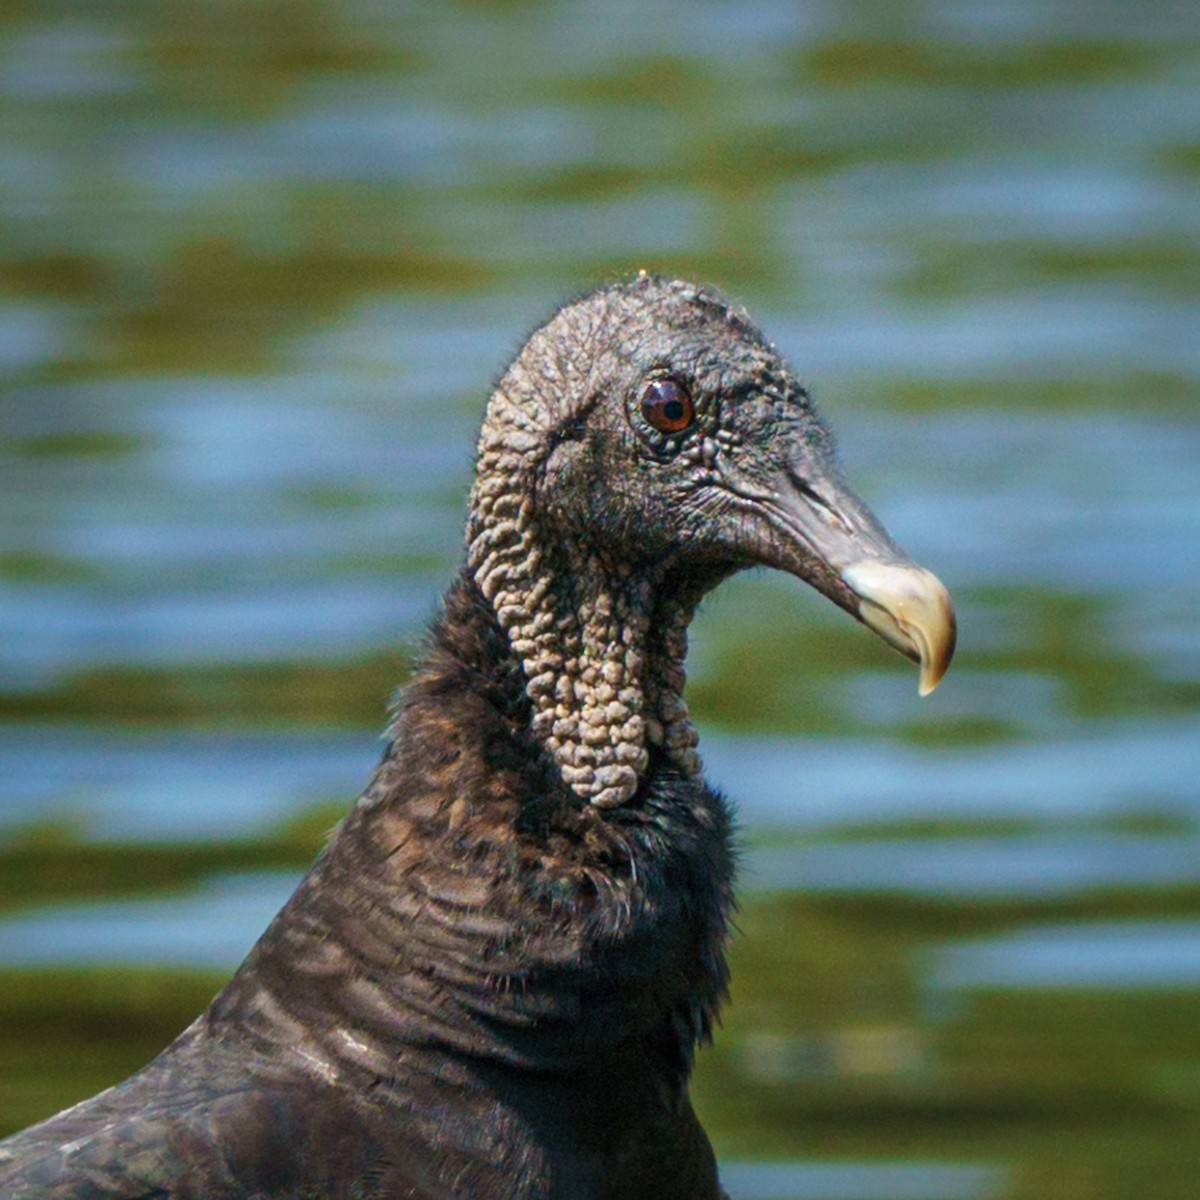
(493, 980)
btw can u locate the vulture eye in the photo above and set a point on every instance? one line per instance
(667, 406)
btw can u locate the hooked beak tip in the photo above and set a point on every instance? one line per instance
(910, 609)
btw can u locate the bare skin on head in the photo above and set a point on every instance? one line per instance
(493, 980)
(595, 529)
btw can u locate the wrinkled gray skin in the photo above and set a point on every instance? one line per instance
(723, 495)
(492, 981)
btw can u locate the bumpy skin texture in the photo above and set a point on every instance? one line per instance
(492, 982)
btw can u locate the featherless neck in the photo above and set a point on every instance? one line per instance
(601, 648)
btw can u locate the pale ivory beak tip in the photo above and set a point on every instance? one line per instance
(910, 609)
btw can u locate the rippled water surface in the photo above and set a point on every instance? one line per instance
(258, 267)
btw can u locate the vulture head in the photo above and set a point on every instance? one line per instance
(648, 442)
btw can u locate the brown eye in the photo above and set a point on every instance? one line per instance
(667, 406)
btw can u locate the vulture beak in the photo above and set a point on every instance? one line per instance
(825, 534)
(910, 609)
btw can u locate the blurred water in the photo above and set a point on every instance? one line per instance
(852, 1181)
(231, 784)
(222, 784)
(214, 926)
(1127, 954)
(1015, 867)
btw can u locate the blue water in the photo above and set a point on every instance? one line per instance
(233, 783)
(863, 1181)
(1137, 955)
(215, 926)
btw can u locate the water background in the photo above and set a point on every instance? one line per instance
(259, 264)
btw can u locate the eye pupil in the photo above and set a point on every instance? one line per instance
(667, 406)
